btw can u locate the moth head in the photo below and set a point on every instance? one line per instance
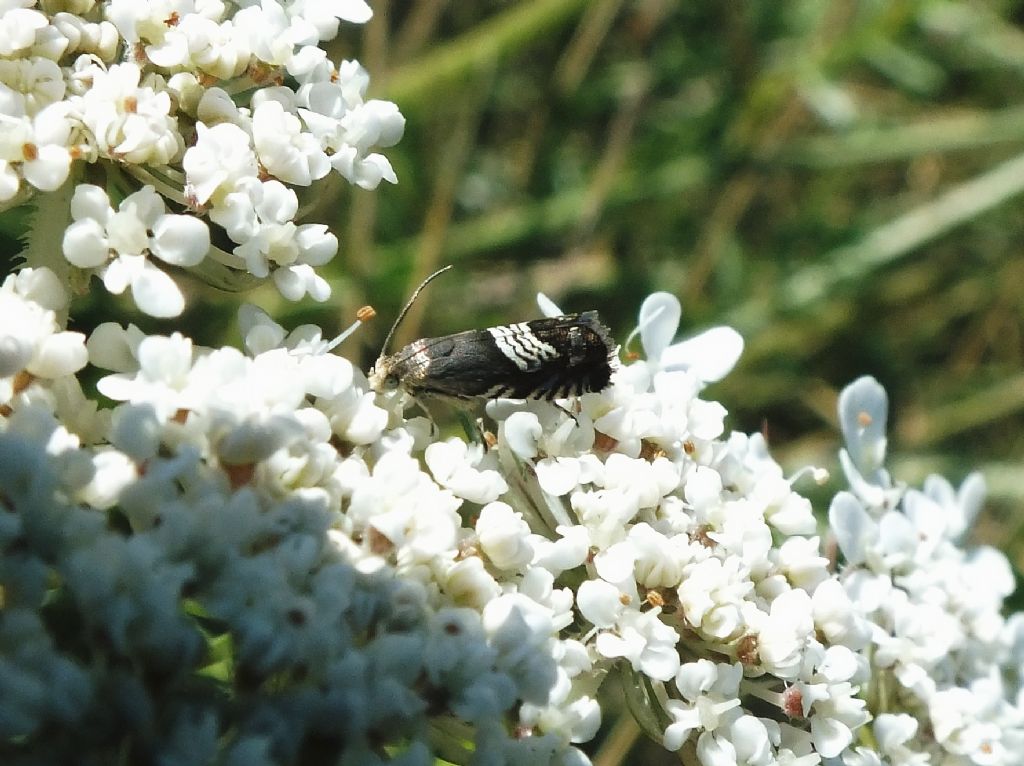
(383, 377)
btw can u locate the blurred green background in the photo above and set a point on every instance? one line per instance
(843, 182)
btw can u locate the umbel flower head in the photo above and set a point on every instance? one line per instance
(252, 552)
(195, 113)
(228, 556)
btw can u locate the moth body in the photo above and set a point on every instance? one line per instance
(540, 359)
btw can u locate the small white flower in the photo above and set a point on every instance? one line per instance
(468, 583)
(349, 127)
(712, 594)
(406, 507)
(126, 120)
(69, 34)
(161, 378)
(454, 466)
(18, 27)
(644, 640)
(522, 633)
(258, 215)
(829, 699)
(785, 632)
(324, 14)
(37, 147)
(113, 472)
(709, 693)
(960, 507)
(709, 356)
(659, 559)
(599, 602)
(800, 559)
(115, 245)
(504, 536)
(274, 35)
(365, 172)
(255, 438)
(284, 150)
(355, 416)
(740, 739)
(218, 162)
(216, 48)
(30, 338)
(39, 286)
(567, 551)
(571, 711)
(863, 412)
(29, 85)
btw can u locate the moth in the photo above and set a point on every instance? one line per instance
(541, 359)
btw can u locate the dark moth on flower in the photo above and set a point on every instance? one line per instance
(542, 359)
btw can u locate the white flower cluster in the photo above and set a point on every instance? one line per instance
(945, 663)
(252, 557)
(220, 107)
(248, 559)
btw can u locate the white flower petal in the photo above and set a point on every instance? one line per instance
(42, 286)
(522, 432)
(710, 355)
(548, 307)
(854, 529)
(181, 240)
(15, 353)
(293, 282)
(863, 413)
(659, 321)
(715, 751)
(85, 244)
(135, 430)
(317, 244)
(90, 201)
(354, 11)
(9, 181)
(599, 602)
(157, 294)
(558, 476)
(113, 472)
(50, 167)
(830, 735)
(367, 422)
(503, 536)
(615, 563)
(62, 353)
(112, 347)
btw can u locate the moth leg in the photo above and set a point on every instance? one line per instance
(568, 412)
(435, 430)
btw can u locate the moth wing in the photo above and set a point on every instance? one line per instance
(585, 355)
(540, 359)
(580, 338)
(460, 366)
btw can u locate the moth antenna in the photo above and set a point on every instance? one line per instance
(408, 306)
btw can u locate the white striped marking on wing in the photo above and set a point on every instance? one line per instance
(520, 346)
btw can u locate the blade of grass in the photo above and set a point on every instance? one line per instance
(425, 79)
(889, 242)
(933, 134)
